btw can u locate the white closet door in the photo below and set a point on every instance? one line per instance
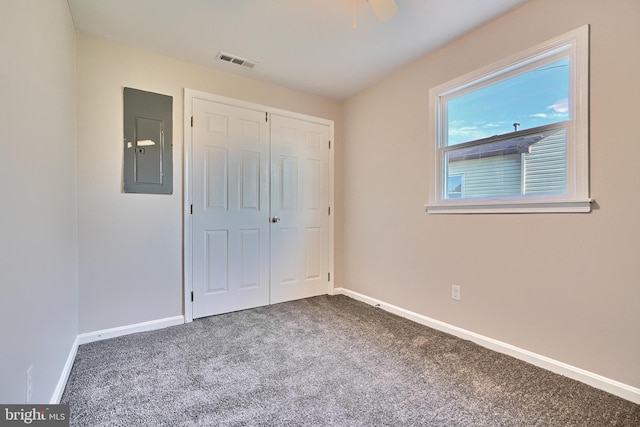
(260, 195)
(230, 222)
(299, 209)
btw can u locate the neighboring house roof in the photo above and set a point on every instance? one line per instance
(501, 145)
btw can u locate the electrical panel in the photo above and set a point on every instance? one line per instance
(148, 132)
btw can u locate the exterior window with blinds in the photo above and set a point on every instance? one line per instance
(513, 137)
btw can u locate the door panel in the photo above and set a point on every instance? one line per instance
(250, 242)
(216, 256)
(314, 257)
(216, 172)
(299, 198)
(230, 208)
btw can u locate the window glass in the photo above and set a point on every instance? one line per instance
(534, 98)
(532, 161)
(454, 186)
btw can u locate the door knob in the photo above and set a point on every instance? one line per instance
(275, 219)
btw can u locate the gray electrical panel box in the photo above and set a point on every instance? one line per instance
(148, 132)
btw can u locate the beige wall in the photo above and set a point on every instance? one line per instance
(566, 286)
(38, 242)
(130, 245)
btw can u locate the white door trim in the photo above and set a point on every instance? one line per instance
(189, 96)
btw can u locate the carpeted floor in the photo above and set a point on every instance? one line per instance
(324, 361)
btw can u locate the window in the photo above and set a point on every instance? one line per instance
(513, 136)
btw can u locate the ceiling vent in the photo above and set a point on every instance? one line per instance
(233, 59)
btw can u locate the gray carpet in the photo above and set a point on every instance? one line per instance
(324, 361)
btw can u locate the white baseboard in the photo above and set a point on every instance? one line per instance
(129, 329)
(598, 381)
(66, 371)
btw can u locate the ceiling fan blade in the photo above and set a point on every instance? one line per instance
(384, 9)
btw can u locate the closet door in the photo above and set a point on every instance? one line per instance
(230, 220)
(259, 216)
(299, 208)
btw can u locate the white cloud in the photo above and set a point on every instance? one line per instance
(495, 125)
(465, 130)
(560, 106)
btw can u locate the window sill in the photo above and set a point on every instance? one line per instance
(489, 207)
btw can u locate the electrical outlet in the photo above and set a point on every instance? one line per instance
(29, 384)
(455, 292)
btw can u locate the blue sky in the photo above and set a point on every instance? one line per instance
(535, 98)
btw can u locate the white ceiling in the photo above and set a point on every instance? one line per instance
(308, 45)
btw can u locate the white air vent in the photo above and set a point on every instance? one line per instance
(233, 59)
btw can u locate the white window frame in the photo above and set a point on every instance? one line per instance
(576, 198)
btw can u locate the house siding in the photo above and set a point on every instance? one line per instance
(543, 170)
(545, 165)
(489, 176)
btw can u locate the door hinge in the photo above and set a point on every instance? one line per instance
(191, 209)
(329, 210)
(266, 117)
(191, 121)
(329, 144)
(328, 277)
(191, 296)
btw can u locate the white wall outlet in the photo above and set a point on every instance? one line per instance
(29, 384)
(455, 292)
